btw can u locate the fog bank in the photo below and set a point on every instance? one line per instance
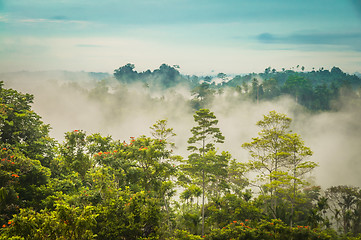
(79, 101)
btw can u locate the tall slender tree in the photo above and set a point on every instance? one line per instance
(202, 144)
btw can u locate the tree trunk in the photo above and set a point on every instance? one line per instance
(203, 185)
(293, 200)
(203, 206)
(167, 209)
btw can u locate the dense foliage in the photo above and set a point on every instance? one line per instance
(96, 187)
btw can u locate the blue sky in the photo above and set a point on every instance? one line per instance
(201, 36)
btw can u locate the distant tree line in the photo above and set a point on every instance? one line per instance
(315, 90)
(165, 76)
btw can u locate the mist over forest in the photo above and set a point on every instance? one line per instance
(106, 154)
(128, 105)
(180, 120)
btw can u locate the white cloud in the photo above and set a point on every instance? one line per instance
(44, 20)
(3, 18)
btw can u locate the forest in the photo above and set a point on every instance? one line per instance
(314, 90)
(97, 186)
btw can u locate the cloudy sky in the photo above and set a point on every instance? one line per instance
(201, 36)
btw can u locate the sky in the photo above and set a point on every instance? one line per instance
(201, 36)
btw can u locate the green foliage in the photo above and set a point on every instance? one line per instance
(280, 159)
(145, 162)
(22, 128)
(203, 95)
(205, 133)
(315, 90)
(74, 152)
(215, 171)
(190, 219)
(237, 179)
(126, 73)
(66, 222)
(129, 216)
(229, 208)
(22, 182)
(268, 151)
(190, 193)
(271, 88)
(96, 143)
(184, 235)
(164, 77)
(274, 229)
(161, 132)
(345, 206)
(300, 88)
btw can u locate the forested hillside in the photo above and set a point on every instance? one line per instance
(94, 186)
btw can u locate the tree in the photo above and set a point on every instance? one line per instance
(167, 76)
(345, 205)
(245, 86)
(268, 155)
(236, 176)
(300, 88)
(207, 79)
(232, 207)
(161, 132)
(75, 153)
(22, 128)
(257, 90)
(267, 70)
(126, 73)
(297, 166)
(203, 94)
(22, 182)
(322, 97)
(217, 179)
(96, 143)
(65, 222)
(222, 76)
(270, 88)
(202, 144)
(130, 216)
(278, 156)
(140, 164)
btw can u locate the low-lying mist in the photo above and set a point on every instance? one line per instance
(124, 111)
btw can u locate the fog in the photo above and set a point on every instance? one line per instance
(78, 101)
